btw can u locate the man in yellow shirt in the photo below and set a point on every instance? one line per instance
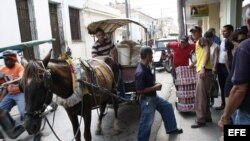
(204, 73)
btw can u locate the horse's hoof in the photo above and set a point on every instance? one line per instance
(98, 132)
(37, 137)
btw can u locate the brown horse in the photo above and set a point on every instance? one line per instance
(43, 78)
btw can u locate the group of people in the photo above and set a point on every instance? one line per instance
(227, 58)
(215, 57)
(237, 109)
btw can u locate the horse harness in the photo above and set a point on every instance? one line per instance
(46, 75)
(93, 84)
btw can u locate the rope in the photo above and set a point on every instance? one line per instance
(92, 80)
(103, 90)
(51, 126)
(52, 129)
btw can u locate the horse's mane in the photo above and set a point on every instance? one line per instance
(34, 69)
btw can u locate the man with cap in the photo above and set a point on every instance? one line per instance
(196, 34)
(215, 38)
(181, 53)
(12, 71)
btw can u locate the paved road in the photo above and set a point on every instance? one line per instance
(129, 119)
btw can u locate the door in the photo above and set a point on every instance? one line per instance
(24, 25)
(55, 29)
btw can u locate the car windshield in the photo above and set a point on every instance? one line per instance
(162, 44)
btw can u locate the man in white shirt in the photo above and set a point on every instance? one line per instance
(221, 68)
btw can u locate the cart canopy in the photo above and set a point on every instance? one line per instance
(110, 25)
(21, 46)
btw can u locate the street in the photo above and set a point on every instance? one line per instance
(128, 120)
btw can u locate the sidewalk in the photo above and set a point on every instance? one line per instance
(210, 132)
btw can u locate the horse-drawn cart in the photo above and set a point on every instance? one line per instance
(128, 53)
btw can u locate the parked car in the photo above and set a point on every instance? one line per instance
(160, 51)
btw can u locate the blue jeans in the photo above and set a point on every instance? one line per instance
(148, 105)
(10, 100)
(242, 118)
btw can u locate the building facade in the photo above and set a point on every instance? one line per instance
(64, 20)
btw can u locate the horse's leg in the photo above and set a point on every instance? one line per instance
(116, 121)
(75, 125)
(87, 107)
(103, 104)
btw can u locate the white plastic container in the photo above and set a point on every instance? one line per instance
(124, 55)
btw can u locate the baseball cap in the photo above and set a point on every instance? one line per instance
(208, 34)
(195, 28)
(9, 53)
(184, 39)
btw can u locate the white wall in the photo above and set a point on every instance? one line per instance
(10, 33)
(43, 28)
(230, 12)
(95, 12)
(9, 26)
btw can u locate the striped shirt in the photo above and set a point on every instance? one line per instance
(102, 49)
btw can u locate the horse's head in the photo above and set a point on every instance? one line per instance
(36, 85)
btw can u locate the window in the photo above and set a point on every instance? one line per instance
(75, 24)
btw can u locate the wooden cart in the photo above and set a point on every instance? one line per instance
(127, 71)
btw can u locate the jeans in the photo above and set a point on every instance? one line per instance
(10, 100)
(242, 118)
(222, 76)
(148, 105)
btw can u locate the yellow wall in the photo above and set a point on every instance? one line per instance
(214, 17)
(213, 20)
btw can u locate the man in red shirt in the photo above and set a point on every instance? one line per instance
(181, 53)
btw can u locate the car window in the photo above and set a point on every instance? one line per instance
(163, 43)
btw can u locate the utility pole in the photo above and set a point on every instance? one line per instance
(161, 25)
(180, 7)
(127, 16)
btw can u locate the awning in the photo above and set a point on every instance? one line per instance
(110, 25)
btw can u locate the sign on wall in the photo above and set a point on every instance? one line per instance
(199, 10)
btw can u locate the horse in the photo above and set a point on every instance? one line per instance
(44, 78)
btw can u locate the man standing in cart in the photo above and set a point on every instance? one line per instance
(182, 51)
(102, 46)
(105, 47)
(149, 101)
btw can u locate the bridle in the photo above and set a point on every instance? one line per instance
(47, 80)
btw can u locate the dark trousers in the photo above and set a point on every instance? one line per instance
(222, 76)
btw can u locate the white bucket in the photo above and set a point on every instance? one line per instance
(124, 55)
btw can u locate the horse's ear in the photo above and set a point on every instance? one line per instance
(46, 59)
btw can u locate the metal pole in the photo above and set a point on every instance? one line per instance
(180, 5)
(127, 16)
(161, 25)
